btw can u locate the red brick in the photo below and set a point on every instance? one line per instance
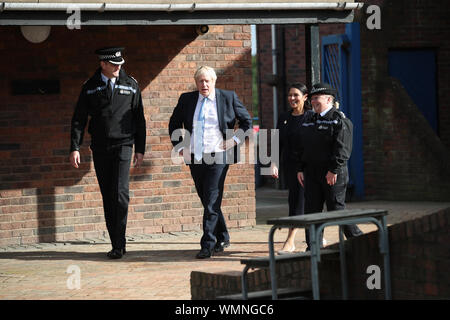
(233, 43)
(431, 289)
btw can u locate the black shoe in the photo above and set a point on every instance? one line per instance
(220, 246)
(116, 253)
(203, 254)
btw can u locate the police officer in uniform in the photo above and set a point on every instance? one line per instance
(112, 102)
(325, 147)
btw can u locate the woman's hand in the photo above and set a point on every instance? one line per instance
(274, 170)
(301, 178)
(331, 178)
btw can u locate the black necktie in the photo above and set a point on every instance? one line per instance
(109, 89)
(316, 117)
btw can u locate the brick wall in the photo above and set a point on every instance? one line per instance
(419, 260)
(419, 266)
(403, 158)
(42, 198)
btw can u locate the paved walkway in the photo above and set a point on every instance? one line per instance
(156, 267)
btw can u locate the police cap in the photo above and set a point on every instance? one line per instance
(323, 88)
(111, 54)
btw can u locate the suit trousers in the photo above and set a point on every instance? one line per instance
(318, 191)
(112, 167)
(209, 181)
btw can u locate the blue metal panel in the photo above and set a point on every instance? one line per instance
(331, 62)
(416, 70)
(355, 107)
(341, 64)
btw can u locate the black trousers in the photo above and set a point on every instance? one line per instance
(209, 181)
(112, 167)
(318, 192)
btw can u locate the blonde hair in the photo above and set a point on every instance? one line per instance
(205, 70)
(336, 104)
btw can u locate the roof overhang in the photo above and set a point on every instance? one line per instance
(177, 12)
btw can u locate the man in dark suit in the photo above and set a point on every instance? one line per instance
(209, 116)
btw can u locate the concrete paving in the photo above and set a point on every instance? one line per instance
(156, 267)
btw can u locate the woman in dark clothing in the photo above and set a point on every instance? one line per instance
(289, 125)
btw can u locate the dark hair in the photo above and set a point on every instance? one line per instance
(304, 90)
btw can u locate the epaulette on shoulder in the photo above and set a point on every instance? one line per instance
(340, 114)
(133, 79)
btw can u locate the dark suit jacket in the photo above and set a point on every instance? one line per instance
(229, 109)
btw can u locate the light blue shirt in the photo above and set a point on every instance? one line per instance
(325, 112)
(105, 79)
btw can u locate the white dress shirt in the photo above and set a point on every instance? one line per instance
(212, 136)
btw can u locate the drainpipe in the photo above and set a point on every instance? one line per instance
(274, 74)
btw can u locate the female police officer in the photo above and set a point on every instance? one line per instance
(325, 147)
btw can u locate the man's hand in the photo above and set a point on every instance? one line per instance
(228, 144)
(331, 178)
(74, 159)
(301, 178)
(138, 159)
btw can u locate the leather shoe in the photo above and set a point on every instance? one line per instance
(116, 253)
(220, 246)
(203, 254)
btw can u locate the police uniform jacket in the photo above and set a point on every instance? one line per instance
(325, 141)
(116, 120)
